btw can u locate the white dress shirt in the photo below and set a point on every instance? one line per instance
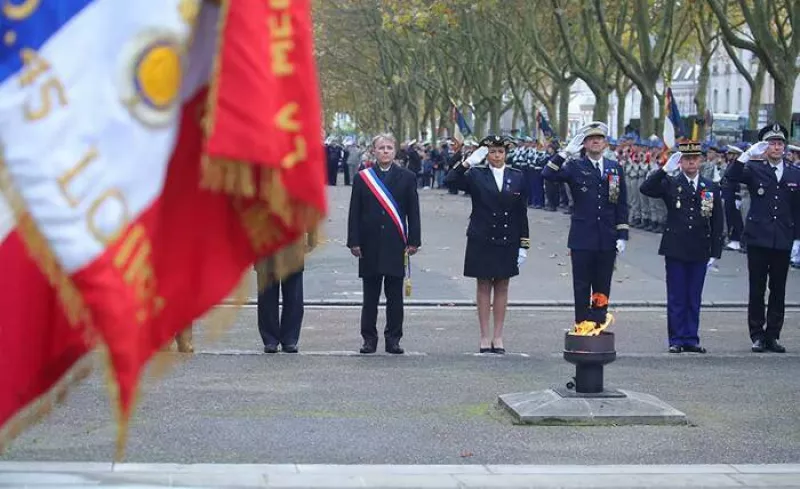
(693, 181)
(597, 164)
(779, 171)
(497, 173)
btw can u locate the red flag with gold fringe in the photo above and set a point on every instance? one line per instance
(216, 164)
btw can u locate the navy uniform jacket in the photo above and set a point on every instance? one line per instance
(774, 217)
(370, 226)
(597, 222)
(498, 218)
(689, 236)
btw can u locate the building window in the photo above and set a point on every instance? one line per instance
(714, 100)
(739, 107)
(727, 100)
(714, 70)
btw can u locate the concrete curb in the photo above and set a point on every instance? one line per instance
(444, 303)
(65, 475)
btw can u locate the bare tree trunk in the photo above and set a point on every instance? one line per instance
(700, 99)
(563, 109)
(784, 91)
(601, 105)
(621, 102)
(755, 96)
(647, 113)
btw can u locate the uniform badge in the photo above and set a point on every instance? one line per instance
(584, 189)
(613, 188)
(706, 203)
(150, 77)
(761, 191)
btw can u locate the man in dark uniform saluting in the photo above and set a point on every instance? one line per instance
(771, 231)
(691, 242)
(383, 227)
(599, 228)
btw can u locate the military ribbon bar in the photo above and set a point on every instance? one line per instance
(385, 198)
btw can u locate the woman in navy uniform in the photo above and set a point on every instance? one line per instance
(691, 242)
(497, 236)
(599, 228)
(771, 231)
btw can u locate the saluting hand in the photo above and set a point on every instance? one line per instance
(755, 150)
(673, 162)
(575, 144)
(476, 157)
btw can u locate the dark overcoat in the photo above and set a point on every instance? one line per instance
(370, 226)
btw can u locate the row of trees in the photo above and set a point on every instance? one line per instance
(399, 64)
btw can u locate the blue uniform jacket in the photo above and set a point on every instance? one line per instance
(691, 234)
(774, 217)
(599, 219)
(499, 218)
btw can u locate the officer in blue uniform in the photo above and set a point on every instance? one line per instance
(691, 242)
(536, 183)
(771, 231)
(497, 235)
(599, 227)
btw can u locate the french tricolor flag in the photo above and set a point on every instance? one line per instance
(150, 152)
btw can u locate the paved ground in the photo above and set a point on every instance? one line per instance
(62, 475)
(331, 272)
(437, 405)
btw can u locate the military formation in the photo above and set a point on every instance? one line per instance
(702, 198)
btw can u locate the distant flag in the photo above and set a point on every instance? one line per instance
(544, 130)
(142, 181)
(461, 128)
(674, 128)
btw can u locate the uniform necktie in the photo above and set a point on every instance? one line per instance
(597, 168)
(694, 188)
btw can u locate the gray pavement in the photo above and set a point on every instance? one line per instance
(430, 418)
(438, 405)
(331, 272)
(41, 476)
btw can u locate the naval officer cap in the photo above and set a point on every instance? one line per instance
(690, 148)
(793, 148)
(773, 131)
(494, 141)
(595, 128)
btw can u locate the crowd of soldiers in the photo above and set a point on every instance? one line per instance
(638, 158)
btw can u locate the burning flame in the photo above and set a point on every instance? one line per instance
(592, 328)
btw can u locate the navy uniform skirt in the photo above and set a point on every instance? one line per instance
(484, 260)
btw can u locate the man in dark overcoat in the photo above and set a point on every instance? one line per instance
(383, 231)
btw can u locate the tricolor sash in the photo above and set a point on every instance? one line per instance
(385, 199)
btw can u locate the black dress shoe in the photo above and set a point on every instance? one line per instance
(498, 350)
(367, 348)
(485, 350)
(675, 349)
(271, 349)
(758, 346)
(694, 349)
(394, 349)
(289, 348)
(774, 346)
